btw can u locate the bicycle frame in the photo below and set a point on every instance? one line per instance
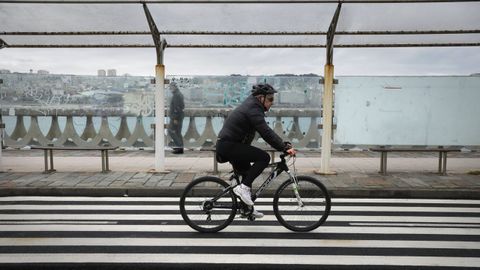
(279, 167)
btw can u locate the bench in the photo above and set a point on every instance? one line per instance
(215, 162)
(48, 151)
(442, 159)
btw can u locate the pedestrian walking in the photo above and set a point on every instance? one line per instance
(176, 114)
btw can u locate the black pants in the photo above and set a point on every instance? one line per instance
(241, 156)
(175, 131)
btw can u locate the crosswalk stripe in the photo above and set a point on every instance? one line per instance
(240, 259)
(413, 224)
(238, 242)
(86, 199)
(5, 217)
(241, 228)
(259, 207)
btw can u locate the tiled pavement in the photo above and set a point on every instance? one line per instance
(411, 175)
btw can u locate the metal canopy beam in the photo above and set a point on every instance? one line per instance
(160, 43)
(331, 34)
(3, 44)
(235, 33)
(227, 2)
(470, 44)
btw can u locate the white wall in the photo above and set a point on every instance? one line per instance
(408, 110)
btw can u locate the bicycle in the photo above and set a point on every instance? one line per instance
(301, 203)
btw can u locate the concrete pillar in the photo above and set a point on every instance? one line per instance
(327, 101)
(160, 118)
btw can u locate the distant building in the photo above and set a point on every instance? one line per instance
(112, 73)
(4, 71)
(101, 73)
(43, 72)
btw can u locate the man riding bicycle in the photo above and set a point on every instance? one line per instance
(238, 132)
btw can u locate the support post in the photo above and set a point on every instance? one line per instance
(159, 118)
(327, 98)
(327, 113)
(160, 45)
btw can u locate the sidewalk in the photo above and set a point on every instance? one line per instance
(410, 175)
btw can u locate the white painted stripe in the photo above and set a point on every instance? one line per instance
(399, 200)
(413, 224)
(174, 199)
(244, 242)
(265, 218)
(170, 200)
(240, 228)
(87, 199)
(258, 207)
(405, 219)
(239, 259)
(88, 207)
(56, 222)
(405, 209)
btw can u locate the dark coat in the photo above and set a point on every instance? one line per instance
(177, 105)
(248, 118)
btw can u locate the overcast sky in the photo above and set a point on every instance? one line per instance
(378, 61)
(245, 17)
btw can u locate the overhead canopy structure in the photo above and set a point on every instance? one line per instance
(240, 24)
(45, 23)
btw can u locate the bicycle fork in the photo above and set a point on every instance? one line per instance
(295, 189)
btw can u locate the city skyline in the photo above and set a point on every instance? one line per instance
(141, 62)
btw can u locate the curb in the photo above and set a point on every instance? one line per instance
(177, 191)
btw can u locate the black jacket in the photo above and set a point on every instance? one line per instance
(177, 105)
(248, 118)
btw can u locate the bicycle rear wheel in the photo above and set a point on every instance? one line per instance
(307, 214)
(207, 206)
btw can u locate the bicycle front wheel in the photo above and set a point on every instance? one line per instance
(207, 204)
(304, 211)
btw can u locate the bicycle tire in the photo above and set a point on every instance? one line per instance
(196, 200)
(302, 218)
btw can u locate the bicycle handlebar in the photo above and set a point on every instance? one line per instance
(284, 154)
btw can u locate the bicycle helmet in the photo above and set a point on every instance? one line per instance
(263, 89)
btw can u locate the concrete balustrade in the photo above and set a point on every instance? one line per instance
(139, 137)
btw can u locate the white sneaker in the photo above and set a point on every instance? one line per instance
(244, 193)
(257, 214)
